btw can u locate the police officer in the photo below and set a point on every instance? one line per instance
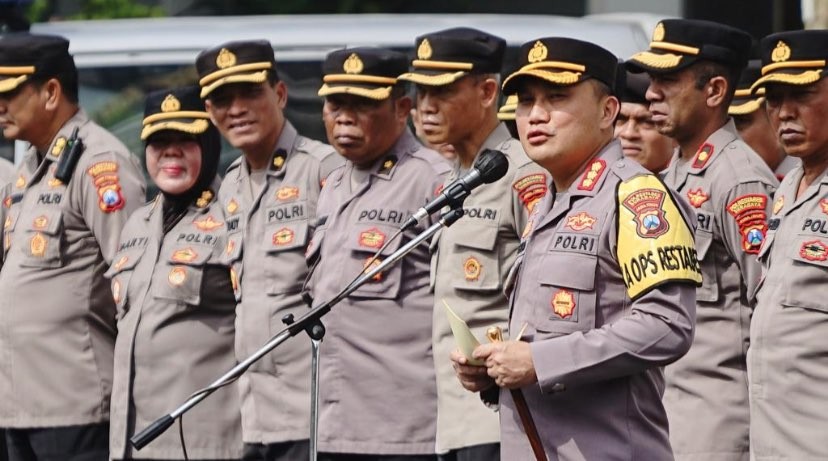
(269, 196)
(752, 122)
(456, 74)
(604, 282)
(174, 292)
(788, 358)
(378, 397)
(63, 213)
(640, 139)
(694, 66)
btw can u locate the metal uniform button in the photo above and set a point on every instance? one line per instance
(620, 164)
(558, 387)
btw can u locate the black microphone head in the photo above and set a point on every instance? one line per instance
(492, 165)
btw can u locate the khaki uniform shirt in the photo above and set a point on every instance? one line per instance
(266, 245)
(729, 187)
(788, 357)
(597, 353)
(176, 313)
(57, 318)
(471, 261)
(377, 390)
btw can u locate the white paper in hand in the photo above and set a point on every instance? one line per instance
(462, 335)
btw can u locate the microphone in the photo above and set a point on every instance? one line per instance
(490, 166)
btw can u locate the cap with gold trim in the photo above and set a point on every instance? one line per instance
(25, 56)
(179, 109)
(634, 89)
(507, 110)
(678, 43)
(563, 61)
(234, 62)
(445, 56)
(745, 102)
(366, 71)
(793, 58)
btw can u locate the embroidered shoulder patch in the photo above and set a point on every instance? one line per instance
(531, 189)
(750, 214)
(655, 244)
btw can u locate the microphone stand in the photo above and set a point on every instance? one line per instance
(309, 322)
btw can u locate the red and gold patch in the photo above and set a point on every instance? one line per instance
(749, 213)
(647, 206)
(438, 190)
(697, 197)
(780, 203)
(283, 236)
(40, 222)
(703, 155)
(37, 245)
(563, 304)
(823, 204)
(531, 189)
(472, 269)
(592, 175)
(372, 238)
(287, 193)
(7, 202)
(580, 221)
(232, 206)
(102, 168)
(814, 250)
(367, 266)
(185, 255)
(110, 198)
(208, 224)
(178, 275)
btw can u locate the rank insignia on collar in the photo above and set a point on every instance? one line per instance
(178, 275)
(372, 238)
(388, 164)
(580, 221)
(697, 197)
(779, 203)
(814, 250)
(472, 269)
(283, 236)
(232, 206)
(823, 204)
(20, 183)
(205, 198)
(185, 255)
(368, 265)
(208, 224)
(592, 175)
(279, 159)
(563, 304)
(55, 182)
(286, 193)
(703, 155)
(120, 263)
(60, 145)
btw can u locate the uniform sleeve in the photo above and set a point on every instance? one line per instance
(658, 331)
(743, 219)
(110, 188)
(529, 186)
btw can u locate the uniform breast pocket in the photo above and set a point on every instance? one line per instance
(807, 278)
(119, 275)
(709, 291)
(475, 262)
(566, 298)
(179, 272)
(285, 267)
(43, 246)
(362, 246)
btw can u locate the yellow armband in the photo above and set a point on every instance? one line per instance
(655, 244)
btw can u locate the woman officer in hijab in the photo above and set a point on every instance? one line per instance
(175, 293)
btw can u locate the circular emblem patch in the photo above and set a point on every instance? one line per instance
(472, 269)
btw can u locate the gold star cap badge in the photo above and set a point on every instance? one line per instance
(781, 53)
(658, 32)
(353, 65)
(538, 52)
(170, 104)
(424, 51)
(225, 59)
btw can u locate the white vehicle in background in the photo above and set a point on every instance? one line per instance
(119, 61)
